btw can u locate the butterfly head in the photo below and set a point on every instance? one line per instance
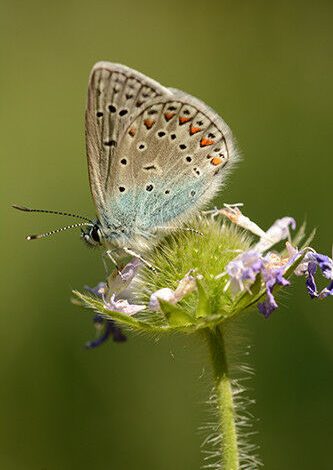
(93, 235)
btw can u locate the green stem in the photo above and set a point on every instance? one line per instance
(225, 401)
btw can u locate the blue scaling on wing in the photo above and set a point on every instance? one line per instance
(138, 210)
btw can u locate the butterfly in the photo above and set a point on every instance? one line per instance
(156, 155)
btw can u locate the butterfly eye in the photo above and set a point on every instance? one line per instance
(95, 234)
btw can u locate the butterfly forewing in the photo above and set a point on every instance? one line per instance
(115, 95)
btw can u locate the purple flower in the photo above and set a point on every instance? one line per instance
(310, 280)
(121, 282)
(272, 277)
(324, 263)
(106, 326)
(312, 261)
(327, 291)
(109, 329)
(117, 286)
(243, 270)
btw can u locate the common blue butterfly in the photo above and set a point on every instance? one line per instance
(155, 156)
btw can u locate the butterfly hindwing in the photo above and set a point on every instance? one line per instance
(171, 160)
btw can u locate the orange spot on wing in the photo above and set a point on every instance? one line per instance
(183, 119)
(216, 161)
(132, 131)
(169, 116)
(204, 142)
(149, 123)
(194, 130)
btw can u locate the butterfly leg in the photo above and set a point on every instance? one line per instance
(129, 251)
(109, 255)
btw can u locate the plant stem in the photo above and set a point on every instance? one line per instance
(225, 401)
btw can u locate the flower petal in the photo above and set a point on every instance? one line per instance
(311, 262)
(325, 264)
(277, 232)
(234, 214)
(118, 284)
(269, 305)
(186, 286)
(272, 278)
(243, 270)
(123, 306)
(164, 294)
(327, 291)
(310, 280)
(110, 329)
(98, 290)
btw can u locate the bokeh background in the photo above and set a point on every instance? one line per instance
(267, 68)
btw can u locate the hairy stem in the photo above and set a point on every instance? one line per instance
(225, 402)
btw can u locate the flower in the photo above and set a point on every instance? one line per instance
(277, 232)
(243, 270)
(234, 214)
(221, 273)
(272, 277)
(110, 329)
(118, 284)
(123, 306)
(185, 286)
(326, 291)
(165, 293)
(98, 290)
(312, 261)
(106, 326)
(121, 283)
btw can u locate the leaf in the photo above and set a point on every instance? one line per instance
(131, 322)
(309, 239)
(175, 315)
(299, 235)
(203, 306)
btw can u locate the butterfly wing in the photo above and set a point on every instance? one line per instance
(155, 155)
(116, 94)
(172, 159)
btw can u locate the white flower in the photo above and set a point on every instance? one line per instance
(277, 232)
(166, 294)
(123, 306)
(185, 286)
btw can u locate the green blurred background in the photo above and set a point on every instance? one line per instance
(267, 68)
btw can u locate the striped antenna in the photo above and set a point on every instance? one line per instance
(28, 209)
(52, 232)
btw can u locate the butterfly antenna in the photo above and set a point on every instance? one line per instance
(28, 209)
(52, 232)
